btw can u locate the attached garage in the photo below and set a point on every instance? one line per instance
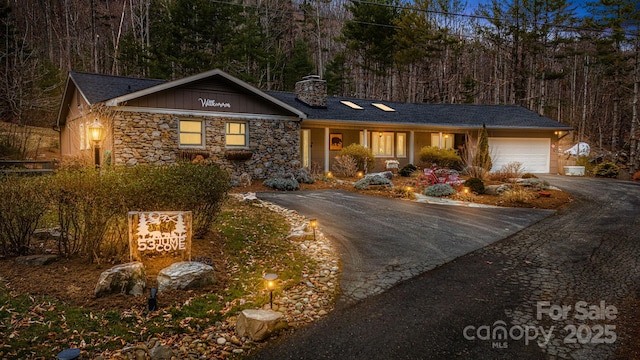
(533, 153)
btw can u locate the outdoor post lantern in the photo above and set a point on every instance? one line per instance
(271, 284)
(314, 225)
(96, 131)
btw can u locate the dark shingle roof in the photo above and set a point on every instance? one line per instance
(97, 87)
(436, 115)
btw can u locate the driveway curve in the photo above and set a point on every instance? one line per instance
(384, 241)
(585, 255)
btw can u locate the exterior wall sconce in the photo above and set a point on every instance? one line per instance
(314, 225)
(270, 281)
(96, 132)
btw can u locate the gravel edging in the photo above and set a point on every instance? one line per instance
(313, 298)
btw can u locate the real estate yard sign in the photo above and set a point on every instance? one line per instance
(160, 233)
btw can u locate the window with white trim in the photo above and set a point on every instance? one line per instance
(236, 134)
(191, 133)
(401, 145)
(442, 141)
(382, 144)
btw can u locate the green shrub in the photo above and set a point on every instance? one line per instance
(607, 170)
(482, 157)
(24, 202)
(439, 190)
(364, 183)
(282, 183)
(444, 158)
(92, 205)
(87, 202)
(197, 187)
(476, 185)
(587, 163)
(304, 176)
(363, 156)
(407, 170)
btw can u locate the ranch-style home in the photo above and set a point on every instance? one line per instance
(264, 133)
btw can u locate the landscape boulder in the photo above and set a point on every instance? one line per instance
(497, 189)
(259, 324)
(185, 275)
(36, 260)
(129, 278)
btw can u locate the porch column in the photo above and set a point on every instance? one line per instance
(326, 150)
(411, 146)
(365, 137)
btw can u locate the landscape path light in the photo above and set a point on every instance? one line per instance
(96, 133)
(314, 225)
(271, 284)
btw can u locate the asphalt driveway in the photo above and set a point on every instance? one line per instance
(385, 241)
(585, 255)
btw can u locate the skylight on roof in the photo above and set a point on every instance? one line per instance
(351, 105)
(382, 107)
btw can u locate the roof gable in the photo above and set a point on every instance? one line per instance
(211, 91)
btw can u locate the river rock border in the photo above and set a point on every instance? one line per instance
(311, 299)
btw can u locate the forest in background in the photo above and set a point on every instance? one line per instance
(579, 66)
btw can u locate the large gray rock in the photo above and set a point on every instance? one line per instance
(185, 275)
(129, 278)
(259, 324)
(162, 352)
(497, 189)
(36, 260)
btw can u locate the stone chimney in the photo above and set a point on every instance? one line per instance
(312, 91)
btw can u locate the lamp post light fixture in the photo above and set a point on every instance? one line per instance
(271, 284)
(314, 225)
(96, 132)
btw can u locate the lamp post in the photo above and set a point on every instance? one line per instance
(314, 225)
(271, 284)
(96, 131)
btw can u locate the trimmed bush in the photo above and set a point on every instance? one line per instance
(303, 176)
(282, 183)
(444, 158)
(529, 176)
(476, 185)
(364, 183)
(439, 190)
(363, 156)
(407, 170)
(24, 202)
(607, 170)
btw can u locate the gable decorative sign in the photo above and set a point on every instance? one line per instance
(160, 233)
(205, 103)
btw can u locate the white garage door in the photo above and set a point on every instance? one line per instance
(532, 153)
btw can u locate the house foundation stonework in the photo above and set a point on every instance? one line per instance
(146, 138)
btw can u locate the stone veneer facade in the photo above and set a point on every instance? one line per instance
(144, 138)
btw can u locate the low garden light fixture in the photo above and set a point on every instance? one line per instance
(360, 174)
(270, 280)
(329, 174)
(96, 133)
(314, 225)
(466, 190)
